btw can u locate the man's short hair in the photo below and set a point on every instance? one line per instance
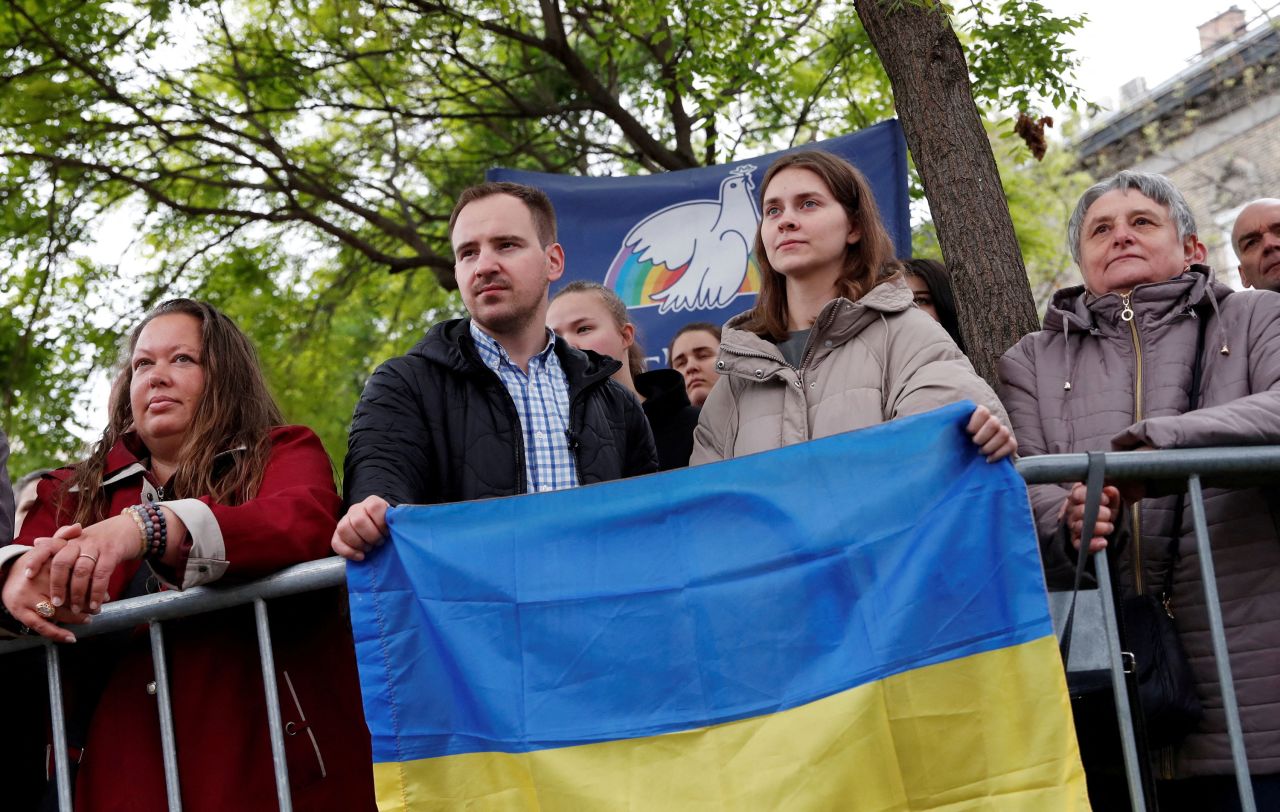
(536, 200)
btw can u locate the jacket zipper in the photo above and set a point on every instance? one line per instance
(1165, 757)
(1126, 316)
(520, 469)
(813, 343)
(522, 481)
(808, 356)
(571, 436)
(571, 433)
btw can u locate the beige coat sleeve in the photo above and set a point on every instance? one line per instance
(926, 370)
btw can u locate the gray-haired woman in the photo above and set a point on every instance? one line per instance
(1112, 370)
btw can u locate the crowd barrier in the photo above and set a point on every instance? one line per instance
(1236, 466)
(1222, 466)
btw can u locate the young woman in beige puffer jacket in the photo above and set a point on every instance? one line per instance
(834, 342)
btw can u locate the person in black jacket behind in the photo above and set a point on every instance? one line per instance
(495, 404)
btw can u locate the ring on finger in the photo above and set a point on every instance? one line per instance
(44, 609)
(92, 558)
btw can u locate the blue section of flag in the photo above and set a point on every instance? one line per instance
(597, 214)
(692, 597)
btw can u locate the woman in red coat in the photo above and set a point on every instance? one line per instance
(195, 481)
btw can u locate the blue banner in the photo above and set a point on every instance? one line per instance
(677, 247)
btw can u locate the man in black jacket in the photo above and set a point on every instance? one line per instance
(493, 405)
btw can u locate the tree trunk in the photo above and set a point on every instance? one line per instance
(926, 66)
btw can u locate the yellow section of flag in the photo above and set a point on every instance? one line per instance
(990, 731)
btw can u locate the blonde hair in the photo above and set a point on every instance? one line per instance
(621, 318)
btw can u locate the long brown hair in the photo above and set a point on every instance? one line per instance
(235, 410)
(867, 263)
(618, 311)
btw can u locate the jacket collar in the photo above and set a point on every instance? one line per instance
(125, 459)
(839, 321)
(449, 344)
(1075, 309)
(663, 391)
(128, 458)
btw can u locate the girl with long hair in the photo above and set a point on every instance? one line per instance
(591, 317)
(833, 342)
(195, 480)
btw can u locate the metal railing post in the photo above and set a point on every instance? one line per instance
(58, 720)
(168, 743)
(271, 690)
(1220, 655)
(152, 610)
(1124, 713)
(1250, 466)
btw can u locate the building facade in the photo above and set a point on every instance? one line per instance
(1213, 129)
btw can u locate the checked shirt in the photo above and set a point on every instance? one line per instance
(542, 401)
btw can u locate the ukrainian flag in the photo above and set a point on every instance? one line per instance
(855, 623)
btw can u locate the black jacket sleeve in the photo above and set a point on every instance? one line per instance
(6, 493)
(389, 449)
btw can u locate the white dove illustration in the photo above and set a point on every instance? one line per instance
(714, 237)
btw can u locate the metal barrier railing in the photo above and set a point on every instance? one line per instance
(154, 610)
(1231, 467)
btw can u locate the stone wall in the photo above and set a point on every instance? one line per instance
(1237, 162)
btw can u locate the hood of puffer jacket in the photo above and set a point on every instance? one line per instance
(450, 344)
(838, 321)
(1075, 310)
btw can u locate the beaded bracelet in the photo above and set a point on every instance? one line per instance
(153, 526)
(142, 529)
(161, 526)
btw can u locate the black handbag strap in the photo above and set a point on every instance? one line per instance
(1092, 500)
(1193, 403)
(1133, 689)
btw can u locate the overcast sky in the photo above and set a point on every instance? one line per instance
(1124, 39)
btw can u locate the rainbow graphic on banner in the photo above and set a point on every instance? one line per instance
(635, 281)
